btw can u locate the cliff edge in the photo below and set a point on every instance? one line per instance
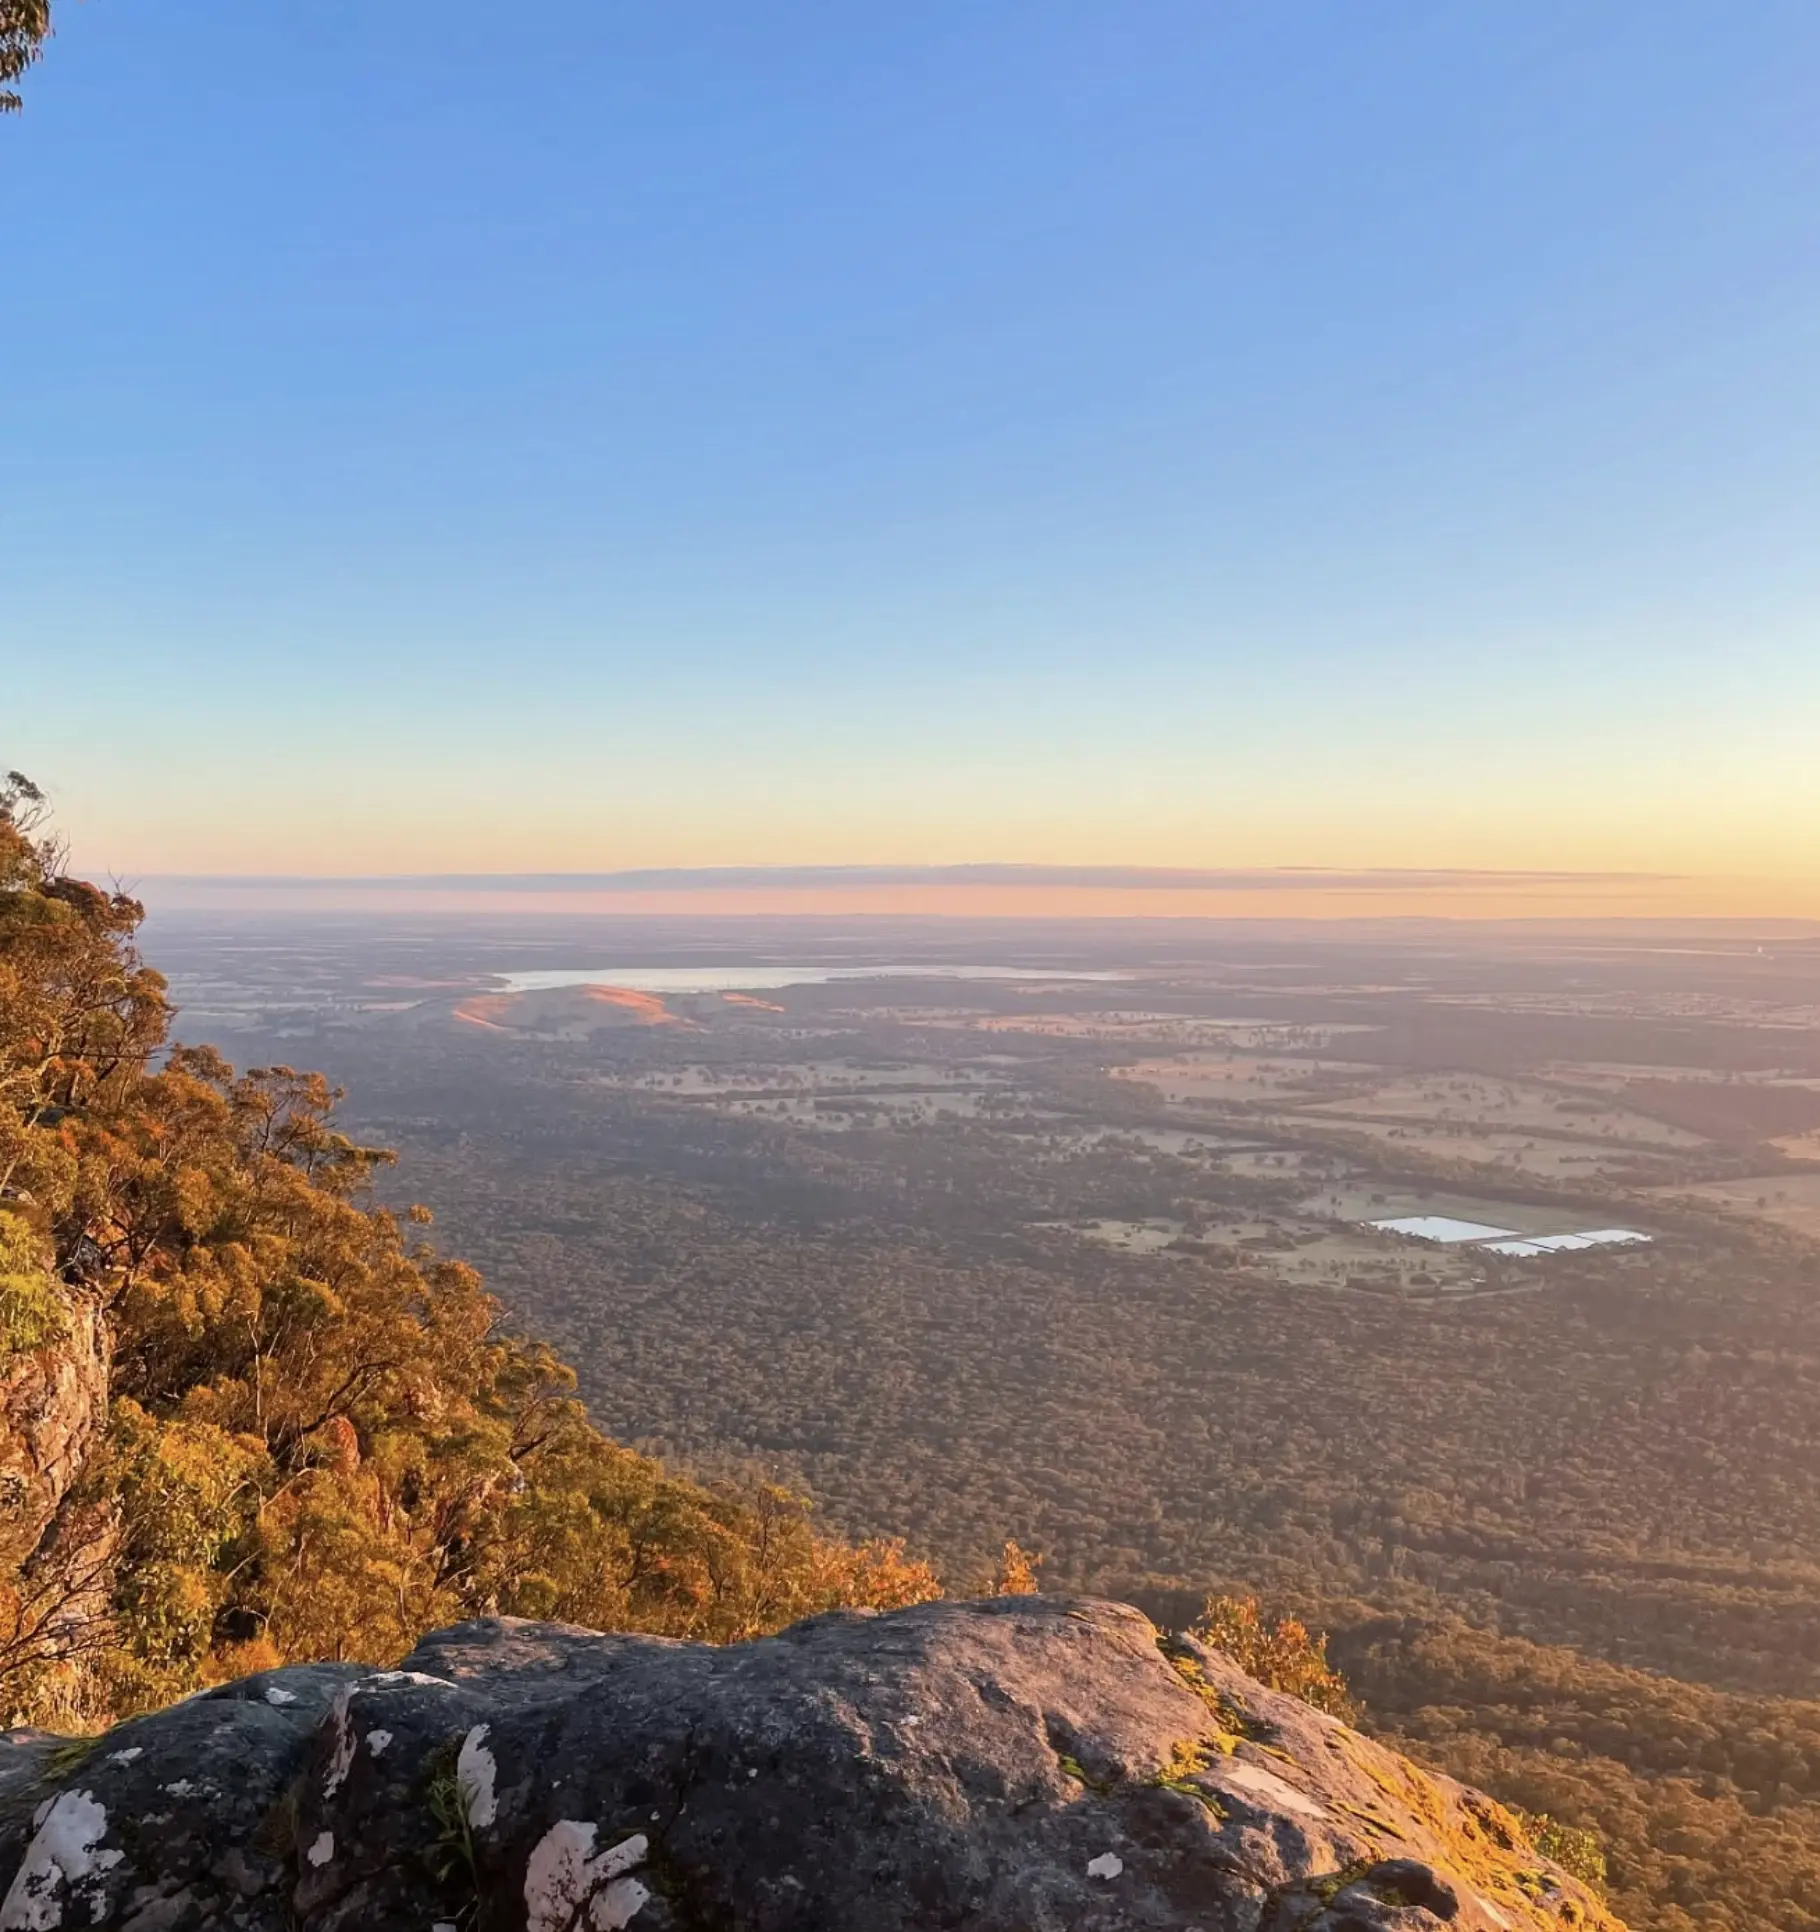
(1022, 1764)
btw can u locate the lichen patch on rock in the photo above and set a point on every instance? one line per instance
(476, 1772)
(64, 1866)
(568, 1884)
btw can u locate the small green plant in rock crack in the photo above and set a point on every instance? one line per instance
(451, 1855)
(1187, 1761)
(1328, 1884)
(1073, 1768)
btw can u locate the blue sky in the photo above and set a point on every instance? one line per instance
(1146, 434)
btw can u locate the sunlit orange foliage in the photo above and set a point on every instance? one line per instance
(1281, 1653)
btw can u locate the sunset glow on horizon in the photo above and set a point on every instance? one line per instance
(1487, 896)
(1237, 437)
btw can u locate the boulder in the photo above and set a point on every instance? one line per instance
(1023, 1764)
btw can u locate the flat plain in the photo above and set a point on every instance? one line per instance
(1068, 1234)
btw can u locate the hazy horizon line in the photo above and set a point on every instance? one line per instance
(1113, 878)
(997, 889)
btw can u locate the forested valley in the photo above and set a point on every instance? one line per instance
(1559, 1527)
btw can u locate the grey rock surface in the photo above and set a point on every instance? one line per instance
(1023, 1764)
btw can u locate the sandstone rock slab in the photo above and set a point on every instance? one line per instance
(1025, 1764)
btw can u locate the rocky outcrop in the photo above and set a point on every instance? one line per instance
(1025, 1764)
(53, 1402)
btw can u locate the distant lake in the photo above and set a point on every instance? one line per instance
(760, 979)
